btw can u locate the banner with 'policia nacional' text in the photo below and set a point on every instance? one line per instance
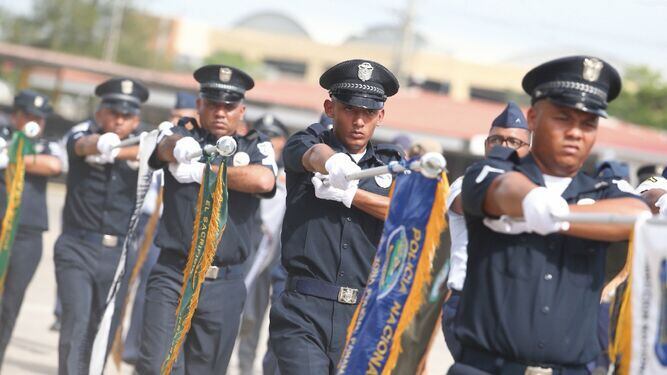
(400, 282)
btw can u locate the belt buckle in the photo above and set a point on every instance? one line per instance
(535, 370)
(347, 295)
(212, 272)
(109, 240)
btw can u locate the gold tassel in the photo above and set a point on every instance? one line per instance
(15, 174)
(621, 346)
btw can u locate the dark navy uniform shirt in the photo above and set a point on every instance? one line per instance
(33, 200)
(180, 201)
(323, 239)
(530, 298)
(100, 197)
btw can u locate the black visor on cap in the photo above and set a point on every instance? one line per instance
(357, 99)
(220, 96)
(578, 100)
(121, 106)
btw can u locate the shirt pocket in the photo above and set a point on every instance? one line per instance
(518, 261)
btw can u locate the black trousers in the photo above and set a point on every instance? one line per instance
(23, 260)
(208, 345)
(307, 334)
(84, 272)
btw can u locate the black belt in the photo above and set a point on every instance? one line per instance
(322, 289)
(475, 357)
(175, 258)
(108, 240)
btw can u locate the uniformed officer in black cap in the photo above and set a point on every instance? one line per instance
(101, 191)
(530, 301)
(509, 129)
(208, 345)
(332, 226)
(33, 219)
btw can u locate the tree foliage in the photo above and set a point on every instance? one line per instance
(643, 99)
(82, 27)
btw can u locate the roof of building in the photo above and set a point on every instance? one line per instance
(273, 22)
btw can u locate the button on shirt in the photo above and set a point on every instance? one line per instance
(531, 298)
(180, 201)
(323, 239)
(33, 200)
(100, 197)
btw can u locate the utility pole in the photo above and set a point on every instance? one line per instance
(115, 30)
(405, 46)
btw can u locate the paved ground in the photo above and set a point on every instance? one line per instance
(34, 348)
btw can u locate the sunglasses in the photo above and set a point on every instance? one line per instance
(511, 142)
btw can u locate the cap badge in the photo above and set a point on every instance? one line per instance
(126, 87)
(268, 120)
(365, 71)
(225, 74)
(592, 69)
(38, 102)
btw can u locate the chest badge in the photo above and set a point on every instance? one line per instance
(383, 180)
(240, 159)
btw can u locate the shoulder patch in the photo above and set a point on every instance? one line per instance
(252, 135)
(389, 149)
(82, 127)
(317, 129)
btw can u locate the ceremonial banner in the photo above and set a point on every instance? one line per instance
(98, 355)
(639, 341)
(400, 284)
(19, 146)
(210, 220)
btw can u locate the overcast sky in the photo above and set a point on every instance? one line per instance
(516, 31)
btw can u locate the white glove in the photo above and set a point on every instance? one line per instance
(185, 148)
(339, 165)
(186, 173)
(3, 143)
(506, 225)
(539, 207)
(4, 159)
(662, 205)
(324, 190)
(106, 144)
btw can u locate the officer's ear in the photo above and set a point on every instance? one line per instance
(531, 117)
(380, 117)
(200, 105)
(329, 107)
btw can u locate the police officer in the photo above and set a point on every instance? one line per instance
(530, 302)
(33, 219)
(509, 129)
(266, 259)
(101, 191)
(332, 226)
(208, 345)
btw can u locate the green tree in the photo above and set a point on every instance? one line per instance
(643, 99)
(82, 27)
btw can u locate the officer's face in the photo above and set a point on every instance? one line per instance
(176, 114)
(353, 126)
(562, 137)
(20, 118)
(115, 122)
(518, 139)
(220, 118)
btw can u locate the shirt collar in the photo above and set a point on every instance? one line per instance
(580, 183)
(329, 138)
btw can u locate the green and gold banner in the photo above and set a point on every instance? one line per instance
(19, 146)
(210, 220)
